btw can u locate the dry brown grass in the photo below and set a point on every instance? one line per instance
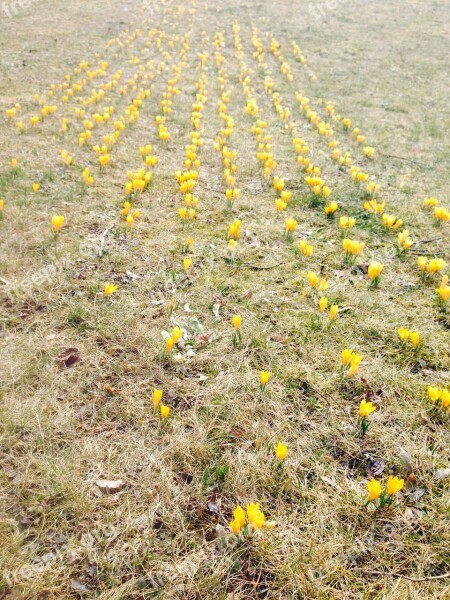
(63, 429)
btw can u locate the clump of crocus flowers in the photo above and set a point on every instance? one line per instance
(374, 207)
(351, 361)
(381, 498)
(352, 248)
(365, 409)
(234, 231)
(247, 522)
(374, 273)
(290, 227)
(164, 410)
(430, 202)
(305, 248)
(404, 241)
(443, 292)
(428, 267)
(347, 222)
(314, 281)
(330, 209)
(413, 337)
(441, 215)
(436, 394)
(391, 221)
(173, 339)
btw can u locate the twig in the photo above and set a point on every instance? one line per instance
(102, 241)
(414, 162)
(5, 281)
(418, 252)
(260, 268)
(415, 579)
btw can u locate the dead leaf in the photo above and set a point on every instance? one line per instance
(110, 486)
(77, 586)
(132, 275)
(212, 507)
(442, 474)
(417, 494)
(405, 459)
(375, 467)
(216, 309)
(204, 339)
(69, 357)
(360, 270)
(171, 395)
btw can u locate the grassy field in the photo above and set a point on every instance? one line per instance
(104, 495)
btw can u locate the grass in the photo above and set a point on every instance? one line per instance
(165, 533)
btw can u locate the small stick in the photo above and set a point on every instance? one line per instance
(5, 281)
(260, 268)
(415, 579)
(102, 241)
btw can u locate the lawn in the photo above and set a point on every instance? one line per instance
(225, 237)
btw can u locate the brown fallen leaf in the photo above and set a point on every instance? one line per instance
(69, 357)
(110, 486)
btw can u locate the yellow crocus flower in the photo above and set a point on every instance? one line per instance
(394, 485)
(109, 289)
(235, 526)
(374, 489)
(157, 397)
(435, 265)
(375, 269)
(445, 398)
(331, 208)
(434, 393)
(291, 225)
(237, 321)
(255, 516)
(164, 410)
(422, 261)
(346, 356)
(414, 337)
(313, 279)
(264, 377)
(366, 408)
(176, 334)
(57, 222)
(334, 309)
(281, 451)
(305, 248)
